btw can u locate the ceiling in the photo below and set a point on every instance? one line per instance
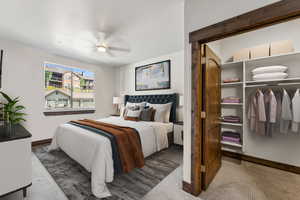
(146, 28)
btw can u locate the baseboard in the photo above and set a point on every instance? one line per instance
(187, 187)
(268, 163)
(41, 142)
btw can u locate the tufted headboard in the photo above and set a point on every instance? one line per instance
(156, 99)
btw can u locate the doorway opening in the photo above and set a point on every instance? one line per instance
(212, 49)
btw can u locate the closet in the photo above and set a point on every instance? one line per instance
(272, 148)
(264, 37)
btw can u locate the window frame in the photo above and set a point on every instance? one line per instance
(67, 111)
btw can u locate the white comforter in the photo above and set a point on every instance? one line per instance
(94, 151)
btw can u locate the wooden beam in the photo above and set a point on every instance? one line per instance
(271, 14)
(268, 163)
(187, 187)
(196, 132)
(41, 142)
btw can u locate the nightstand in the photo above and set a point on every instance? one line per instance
(178, 133)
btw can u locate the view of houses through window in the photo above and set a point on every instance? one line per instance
(69, 88)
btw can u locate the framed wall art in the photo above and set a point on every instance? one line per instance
(155, 76)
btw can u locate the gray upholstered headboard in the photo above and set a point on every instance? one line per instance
(156, 99)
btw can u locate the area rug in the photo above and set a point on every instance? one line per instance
(75, 181)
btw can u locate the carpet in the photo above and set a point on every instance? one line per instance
(75, 181)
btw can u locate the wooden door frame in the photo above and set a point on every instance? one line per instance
(275, 13)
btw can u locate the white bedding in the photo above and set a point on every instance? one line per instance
(94, 151)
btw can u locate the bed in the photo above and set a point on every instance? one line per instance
(94, 152)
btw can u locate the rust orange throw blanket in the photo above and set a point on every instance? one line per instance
(128, 142)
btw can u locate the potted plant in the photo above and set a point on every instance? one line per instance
(12, 112)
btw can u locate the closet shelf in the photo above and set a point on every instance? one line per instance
(233, 64)
(232, 150)
(231, 104)
(276, 82)
(279, 56)
(287, 55)
(231, 124)
(231, 144)
(231, 84)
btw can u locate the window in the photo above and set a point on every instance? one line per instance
(68, 88)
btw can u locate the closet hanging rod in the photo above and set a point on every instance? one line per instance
(273, 85)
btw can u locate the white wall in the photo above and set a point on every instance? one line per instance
(126, 77)
(198, 14)
(23, 76)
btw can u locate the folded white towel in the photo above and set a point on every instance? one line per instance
(269, 69)
(269, 76)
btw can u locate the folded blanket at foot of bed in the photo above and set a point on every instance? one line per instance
(125, 141)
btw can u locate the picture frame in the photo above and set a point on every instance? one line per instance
(154, 76)
(1, 61)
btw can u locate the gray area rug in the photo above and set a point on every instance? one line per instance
(75, 181)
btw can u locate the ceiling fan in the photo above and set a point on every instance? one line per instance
(103, 45)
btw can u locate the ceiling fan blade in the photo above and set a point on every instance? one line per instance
(110, 53)
(118, 49)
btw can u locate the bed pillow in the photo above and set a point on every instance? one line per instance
(160, 115)
(162, 108)
(269, 76)
(147, 114)
(141, 105)
(269, 69)
(122, 111)
(133, 113)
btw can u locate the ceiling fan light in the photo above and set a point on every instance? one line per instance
(101, 48)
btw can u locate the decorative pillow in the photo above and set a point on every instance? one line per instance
(268, 76)
(147, 114)
(133, 113)
(269, 69)
(141, 105)
(160, 109)
(133, 107)
(132, 119)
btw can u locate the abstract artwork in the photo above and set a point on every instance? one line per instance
(1, 58)
(154, 76)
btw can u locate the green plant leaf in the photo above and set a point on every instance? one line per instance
(6, 97)
(12, 111)
(18, 120)
(18, 108)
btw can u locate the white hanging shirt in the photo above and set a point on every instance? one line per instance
(296, 111)
(286, 113)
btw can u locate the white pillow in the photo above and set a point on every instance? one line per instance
(133, 113)
(160, 115)
(160, 108)
(268, 76)
(122, 110)
(269, 69)
(141, 105)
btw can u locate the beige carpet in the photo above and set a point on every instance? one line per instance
(247, 181)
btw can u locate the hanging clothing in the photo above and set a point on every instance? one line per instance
(278, 96)
(270, 103)
(256, 113)
(286, 113)
(296, 111)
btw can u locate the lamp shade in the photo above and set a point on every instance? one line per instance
(116, 100)
(181, 100)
